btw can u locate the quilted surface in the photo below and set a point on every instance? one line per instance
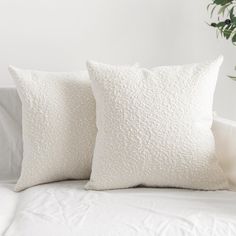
(58, 121)
(154, 127)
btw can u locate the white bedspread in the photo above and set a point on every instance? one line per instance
(65, 208)
(8, 203)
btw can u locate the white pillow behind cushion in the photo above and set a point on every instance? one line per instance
(154, 127)
(58, 121)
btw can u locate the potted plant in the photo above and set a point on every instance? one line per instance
(225, 24)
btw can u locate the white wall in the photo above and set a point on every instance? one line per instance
(60, 35)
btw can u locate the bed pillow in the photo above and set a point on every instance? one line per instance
(58, 122)
(224, 131)
(154, 127)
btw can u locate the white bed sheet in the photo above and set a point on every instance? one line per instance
(65, 208)
(8, 203)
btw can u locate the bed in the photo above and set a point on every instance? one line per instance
(65, 208)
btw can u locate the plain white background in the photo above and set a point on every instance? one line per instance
(60, 35)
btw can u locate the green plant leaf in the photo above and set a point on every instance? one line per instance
(231, 14)
(234, 38)
(223, 8)
(222, 2)
(220, 24)
(227, 33)
(225, 27)
(208, 6)
(232, 77)
(212, 11)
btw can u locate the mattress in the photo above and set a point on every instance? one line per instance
(65, 208)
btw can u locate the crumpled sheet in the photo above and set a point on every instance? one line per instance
(10, 134)
(8, 203)
(65, 208)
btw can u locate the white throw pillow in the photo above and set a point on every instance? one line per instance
(58, 121)
(154, 127)
(224, 131)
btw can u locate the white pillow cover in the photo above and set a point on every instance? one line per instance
(59, 129)
(154, 127)
(224, 131)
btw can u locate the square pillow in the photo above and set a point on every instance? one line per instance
(154, 127)
(58, 122)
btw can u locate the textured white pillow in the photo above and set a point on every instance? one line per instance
(58, 121)
(154, 127)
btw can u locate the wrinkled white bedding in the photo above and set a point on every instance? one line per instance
(65, 208)
(8, 203)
